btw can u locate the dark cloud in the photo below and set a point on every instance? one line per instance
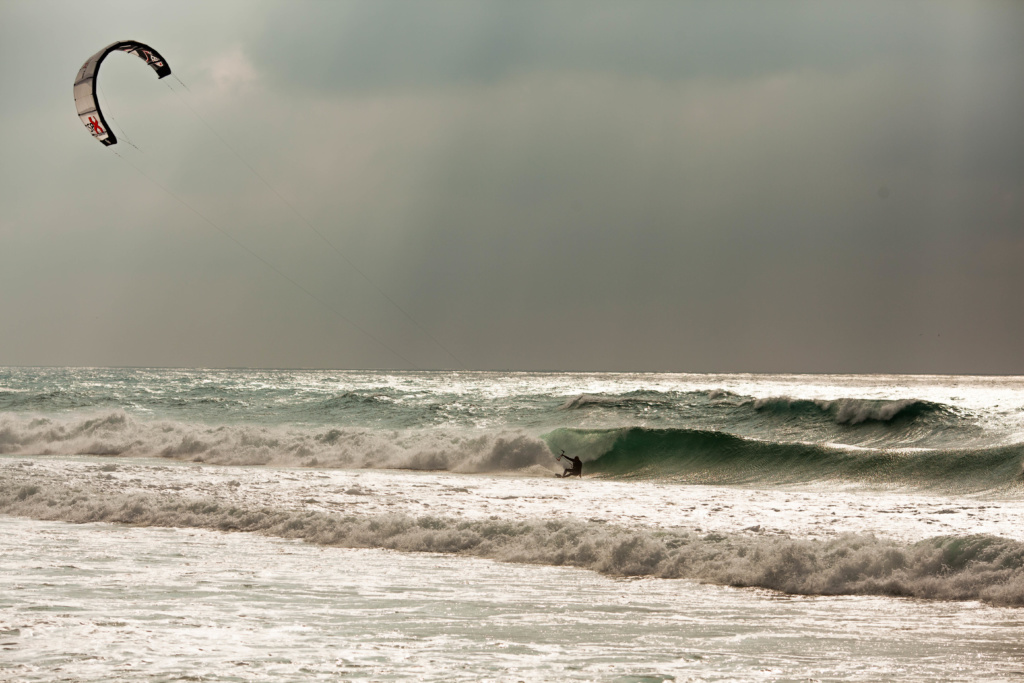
(542, 185)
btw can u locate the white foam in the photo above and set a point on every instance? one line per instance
(120, 434)
(782, 540)
(187, 603)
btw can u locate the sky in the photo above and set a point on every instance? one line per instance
(612, 186)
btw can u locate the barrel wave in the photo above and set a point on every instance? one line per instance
(710, 457)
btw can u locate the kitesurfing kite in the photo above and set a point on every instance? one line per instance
(88, 104)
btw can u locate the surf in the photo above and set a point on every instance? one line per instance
(949, 567)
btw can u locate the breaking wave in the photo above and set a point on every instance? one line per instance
(120, 434)
(975, 567)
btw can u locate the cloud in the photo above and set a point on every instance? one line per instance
(231, 69)
(661, 186)
(357, 46)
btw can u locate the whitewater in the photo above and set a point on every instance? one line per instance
(173, 524)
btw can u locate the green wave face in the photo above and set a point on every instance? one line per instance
(709, 457)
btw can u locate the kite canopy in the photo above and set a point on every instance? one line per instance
(88, 104)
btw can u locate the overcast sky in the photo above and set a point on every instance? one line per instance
(665, 186)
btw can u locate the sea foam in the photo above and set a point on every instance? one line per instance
(971, 567)
(120, 434)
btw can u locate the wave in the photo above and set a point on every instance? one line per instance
(631, 399)
(61, 400)
(854, 411)
(976, 567)
(352, 398)
(119, 434)
(679, 400)
(431, 401)
(842, 411)
(858, 421)
(670, 454)
(55, 399)
(710, 457)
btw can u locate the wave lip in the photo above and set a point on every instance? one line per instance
(711, 457)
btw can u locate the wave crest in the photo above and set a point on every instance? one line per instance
(854, 411)
(977, 567)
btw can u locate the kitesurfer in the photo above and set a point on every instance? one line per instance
(575, 468)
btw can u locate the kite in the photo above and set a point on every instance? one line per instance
(88, 104)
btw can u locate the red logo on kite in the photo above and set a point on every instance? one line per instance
(95, 125)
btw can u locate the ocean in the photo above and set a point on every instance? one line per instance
(292, 525)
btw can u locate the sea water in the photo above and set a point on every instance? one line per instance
(297, 525)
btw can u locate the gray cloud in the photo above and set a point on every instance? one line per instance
(651, 186)
(352, 46)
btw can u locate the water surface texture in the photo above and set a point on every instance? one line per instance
(297, 525)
